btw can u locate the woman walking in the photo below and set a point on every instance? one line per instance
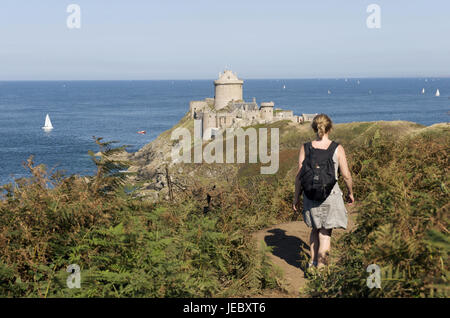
(323, 205)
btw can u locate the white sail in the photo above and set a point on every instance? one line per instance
(48, 123)
(437, 93)
(423, 90)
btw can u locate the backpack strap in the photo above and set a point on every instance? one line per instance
(332, 148)
(307, 146)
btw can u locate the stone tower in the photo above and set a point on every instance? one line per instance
(228, 87)
(266, 110)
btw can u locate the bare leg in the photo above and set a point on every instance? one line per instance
(324, 246)
(314, 245)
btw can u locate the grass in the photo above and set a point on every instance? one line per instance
(129, 247)
(402, 221)
(125, 247)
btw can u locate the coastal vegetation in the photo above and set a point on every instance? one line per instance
(402, 219)
(125, 247)
(198, 242)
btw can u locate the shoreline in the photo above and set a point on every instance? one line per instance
(131, 154)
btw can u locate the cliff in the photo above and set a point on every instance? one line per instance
(201, 243)
(149, 163)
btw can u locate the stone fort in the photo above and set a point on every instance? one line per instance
(228, 109)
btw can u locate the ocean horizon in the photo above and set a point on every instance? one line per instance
(118, 109)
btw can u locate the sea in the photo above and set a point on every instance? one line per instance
(117, 110)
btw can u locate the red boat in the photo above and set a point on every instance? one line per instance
(142, 132)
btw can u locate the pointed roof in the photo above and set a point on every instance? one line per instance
(228, 77)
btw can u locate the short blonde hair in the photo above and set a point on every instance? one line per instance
(321, 124)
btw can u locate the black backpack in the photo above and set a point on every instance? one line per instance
(317, 175)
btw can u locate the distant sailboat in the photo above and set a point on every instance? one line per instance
(48, 123)
(437, 93)
(329, 92)
(284, 86)
(423, 90)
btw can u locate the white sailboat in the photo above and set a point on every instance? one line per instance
(437, 93)
(423, 90)
(284, 86)
(48, 124)
(329, 92)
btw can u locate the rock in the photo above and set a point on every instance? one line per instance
(120, 156)
(86, 179)
(150, 195)
(158, 186)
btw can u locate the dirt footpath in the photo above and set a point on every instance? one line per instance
(290, 244)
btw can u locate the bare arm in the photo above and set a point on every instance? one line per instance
(301, 157)
(298, 189)
(345, 172)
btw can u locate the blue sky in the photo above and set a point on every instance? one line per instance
(195, 39)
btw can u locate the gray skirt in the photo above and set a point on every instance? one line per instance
(330, 214)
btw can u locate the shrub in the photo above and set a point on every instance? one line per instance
(402, 221)
(125, 247)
